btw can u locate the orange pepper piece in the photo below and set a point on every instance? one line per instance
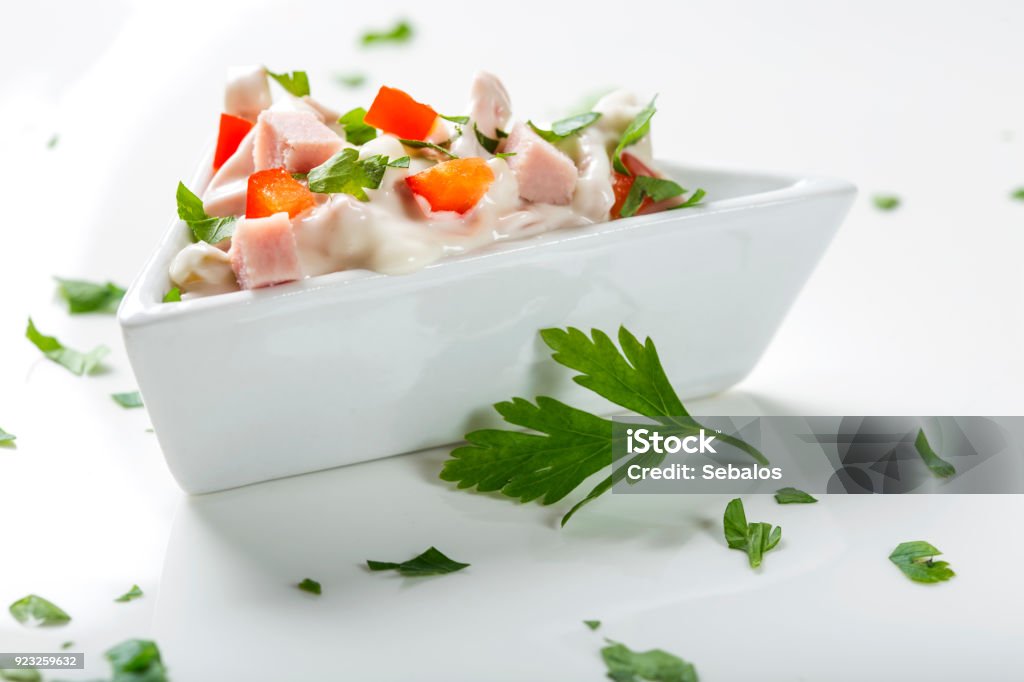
(455, 185)
(395, 112)
(232, 131)
(273, 191)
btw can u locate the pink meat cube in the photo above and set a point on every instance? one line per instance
(263, 252)
(545, 174)
(294, 140)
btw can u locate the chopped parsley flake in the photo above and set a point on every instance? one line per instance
(430, 562)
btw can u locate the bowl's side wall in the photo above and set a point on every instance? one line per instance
(397, 364)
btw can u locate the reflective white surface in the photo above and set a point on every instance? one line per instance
(912, 312)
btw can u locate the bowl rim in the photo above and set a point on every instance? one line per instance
(142, 304)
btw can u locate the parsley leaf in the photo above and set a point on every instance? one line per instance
(421, 144)
(886, 202)
(401, 33)
(136, 660)
(915, 560)
(20, 675)
(566, 127)
(505, 155)
(657, 189)
(346, 173)
(75, 361)
(461, 120)
(639, 127)
(350, 80)
(133, 593)
(431, 562)
(694, 199)
(295, 82)
(173, 296)
(400, 162)
(128, 400)
(1017, 194)
(52, 142)
(753, 538)
(625, 665)
(570, 445)
(488, 143)
(87, 297)
(938, 466)
(592, 624)
(793, 496)
(34, 610)
(310, 585)
(357, 131)
(67, 645)
(7, 438)
(204, 228)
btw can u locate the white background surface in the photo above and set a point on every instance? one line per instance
(912, 312)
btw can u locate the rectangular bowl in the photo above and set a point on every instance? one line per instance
(353, 366)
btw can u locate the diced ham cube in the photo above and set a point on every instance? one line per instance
(247, 92)
(294, 140)
(263, 252)
(544, 173)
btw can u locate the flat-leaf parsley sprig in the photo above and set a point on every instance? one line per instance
(570, 445)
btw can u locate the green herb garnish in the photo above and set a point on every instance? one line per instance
(204, 228)
(67, 645)
(128, 400)
(431, 562)
(350, 80)
(34, 610)
(936, 464)
(53, 141)
(136, 660)
(656, 189)
(134, 593)
(915, 560)
(7, 439)
(295, 82)
(310, 585)
(75, 361)
(400, 162)
(461, 120)
(421, 144)
(505, 155)
(488, 143)
(88, 297)
(625, 665)
(592, 624)
(357, 131)
(346, 173)
(566, 127)
(20, 675)
(400, 33)
(572, 444)
(754, 538)
(172, 296)
(886, 202)
(1017, 194)
(639, 127)
(793, 496)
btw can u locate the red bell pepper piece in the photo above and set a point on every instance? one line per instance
(395, 112)
(455, 185)
(232, 131)
(273, 191)
(621, 184)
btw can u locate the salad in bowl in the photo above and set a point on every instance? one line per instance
(299, 189)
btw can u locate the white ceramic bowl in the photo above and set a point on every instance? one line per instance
(352, 366)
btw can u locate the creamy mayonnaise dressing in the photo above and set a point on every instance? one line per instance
(395, 232)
